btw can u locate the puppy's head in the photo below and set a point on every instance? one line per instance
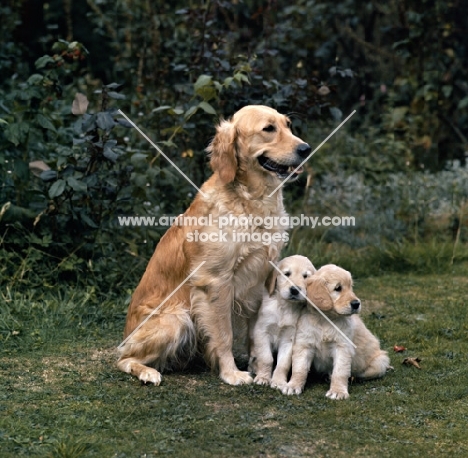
(257, 140)
(331, 290)
(296, 270)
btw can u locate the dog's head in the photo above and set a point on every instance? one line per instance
(296, 270)
(331, 290)
(256, 141)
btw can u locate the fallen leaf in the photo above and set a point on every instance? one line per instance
(399, 348)
(412, 362)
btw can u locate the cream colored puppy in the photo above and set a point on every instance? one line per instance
(274, 330)
(320, 343)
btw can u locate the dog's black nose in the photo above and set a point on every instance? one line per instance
(355, 304)
(294, 291)
(303, 150)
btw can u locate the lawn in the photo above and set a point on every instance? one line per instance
(62, 396)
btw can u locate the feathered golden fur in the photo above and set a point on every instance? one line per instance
(250, 155)
(284, 298)
(320, 344)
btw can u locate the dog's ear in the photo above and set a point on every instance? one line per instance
(223, 152)
(270, 282)
(317, 292)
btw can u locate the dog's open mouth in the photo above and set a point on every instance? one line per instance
(281, 170)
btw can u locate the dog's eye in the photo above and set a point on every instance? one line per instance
(287, 274)
(338, 288)
(269, 128)
(305, 275)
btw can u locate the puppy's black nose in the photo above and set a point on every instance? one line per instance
(293, 291)
(303, 150)
(355, 304)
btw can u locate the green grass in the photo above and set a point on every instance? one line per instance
(62, 396)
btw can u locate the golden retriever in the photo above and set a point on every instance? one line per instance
(319, 343)
(251, 154)
(283, 300)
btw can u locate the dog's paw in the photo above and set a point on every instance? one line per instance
(237, 378)
(337, 394)
(150, 375)
(262, 380)
(278, 384)
(291, 388)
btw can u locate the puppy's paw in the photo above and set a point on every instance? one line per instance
(262, 380)
(236, 378)
(278, 384)
(150, 375)
(337, 394)
(292, 388)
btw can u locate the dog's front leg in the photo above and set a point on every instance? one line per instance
(211, 307)
(302, 357)
(341, 373)
(284, 359)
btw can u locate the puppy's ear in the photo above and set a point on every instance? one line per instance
(223, 152)
(270, 282)
(318, 293)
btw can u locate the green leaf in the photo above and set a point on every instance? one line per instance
(110, 154)
(21, 169)
(138, 160)
(241, 77)
(45, 123)
(77, 185)
(190, 112)
(207, 108)
(88, 220)
(116, 95)
(16, 133)
(176, 111)
(105, 121)
(203, 80)
(113, 85)
(57, 189)
(462, 104)
(228, 81)
(398, 114)
(35, 78)
(161, 108)
(336, 113)
(44, 61)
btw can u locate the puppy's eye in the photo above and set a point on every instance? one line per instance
(269, 128)
(338, 288)
(305, 275)
(287, 274)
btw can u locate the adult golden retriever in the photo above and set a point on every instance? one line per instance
(250, 155)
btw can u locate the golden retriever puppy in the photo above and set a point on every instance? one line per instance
(328, 347)
(251, 154)
(283, 300)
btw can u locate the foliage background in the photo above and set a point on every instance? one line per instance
(399, 166)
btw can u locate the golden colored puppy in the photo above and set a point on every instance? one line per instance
(322, 345)
(275, 328)
(251, 155)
